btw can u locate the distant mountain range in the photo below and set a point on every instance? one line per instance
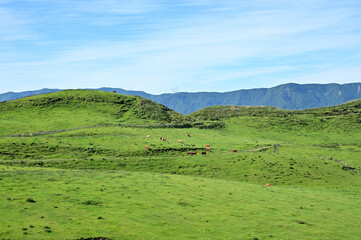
(289, 96)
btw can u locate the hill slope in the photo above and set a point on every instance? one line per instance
(77, 108)
(287, 96)
(350, 109)
(102, 181)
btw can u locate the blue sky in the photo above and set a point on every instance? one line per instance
(163, 46)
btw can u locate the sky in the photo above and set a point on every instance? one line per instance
(160, 46)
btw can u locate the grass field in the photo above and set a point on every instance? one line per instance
(71, 204)
(103, 182)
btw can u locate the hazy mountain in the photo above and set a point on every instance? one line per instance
(13, 95)
(287, 96)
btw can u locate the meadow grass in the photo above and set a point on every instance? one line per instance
(102, 181)
(70, 204)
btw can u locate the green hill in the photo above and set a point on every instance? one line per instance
(120, 180)
(351, 108)
(79, 108)
(226, 112)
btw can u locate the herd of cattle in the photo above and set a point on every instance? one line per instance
(207, 146)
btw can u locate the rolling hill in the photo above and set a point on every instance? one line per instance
(348, 109)
(101, 181)
(79, 108)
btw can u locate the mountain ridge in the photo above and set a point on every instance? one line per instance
(290, 96)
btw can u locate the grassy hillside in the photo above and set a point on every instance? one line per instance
(349, 109)
(102, 181)
(226, 112)
(78, 108)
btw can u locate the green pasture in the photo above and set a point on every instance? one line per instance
(100, 181)
(71, 204)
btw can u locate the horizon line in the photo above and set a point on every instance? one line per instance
(61, 89)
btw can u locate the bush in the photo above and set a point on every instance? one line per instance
(30, 200)
(183, 203)
(92, 202)
(210, 125)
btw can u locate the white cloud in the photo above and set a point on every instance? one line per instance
(210, 43)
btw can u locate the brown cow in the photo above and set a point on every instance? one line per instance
(180, 141)
(148, 136)
(114, 91)
(204, 153)
(191, 153)
(188, 135)
(146, 146)
(207, 145)
(208, 149)
(162, 138)
(234, 150)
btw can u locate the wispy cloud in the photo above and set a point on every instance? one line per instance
(13, 27)
(187, 45)
(116, 7)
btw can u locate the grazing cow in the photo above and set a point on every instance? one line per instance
(268, 185)
(188, 135)
(114, 91)
(207, 145)
(204, 153)
(164, 139)
(180, 141)
(208, 149)
(191, 153)
(234, 150)
(146, 146)
(148, 136)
